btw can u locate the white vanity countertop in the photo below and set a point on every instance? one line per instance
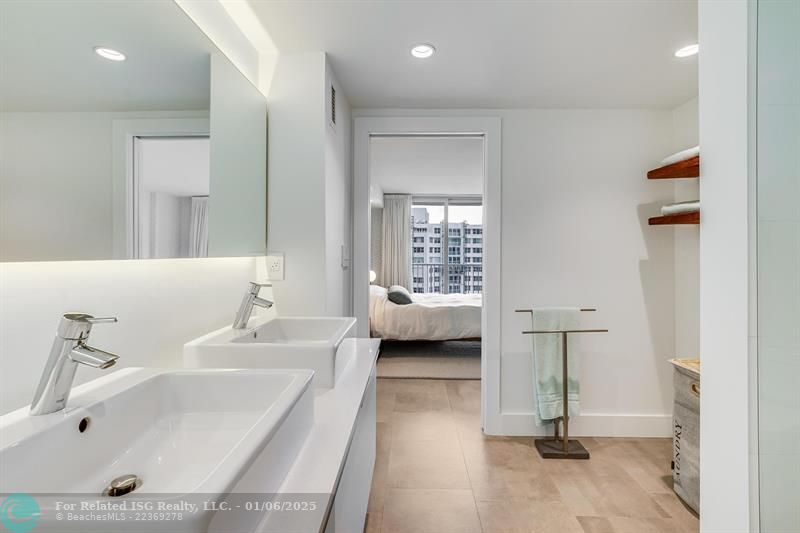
(318, 465)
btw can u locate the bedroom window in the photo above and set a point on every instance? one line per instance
(461, 217)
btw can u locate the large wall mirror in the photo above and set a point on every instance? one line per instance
(125, 134)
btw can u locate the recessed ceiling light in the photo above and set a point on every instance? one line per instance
(687, 51)
(422, 51)
(109, 53)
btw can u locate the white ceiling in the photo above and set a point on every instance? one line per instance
(47, 62)
(427, 165)
(497, 53)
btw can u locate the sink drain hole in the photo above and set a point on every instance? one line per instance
(83, 425)
(122, 485)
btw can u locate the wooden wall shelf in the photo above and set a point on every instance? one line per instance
(683, 218)
(688, 168)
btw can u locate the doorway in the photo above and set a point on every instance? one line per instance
(486, 130)
(168, 199)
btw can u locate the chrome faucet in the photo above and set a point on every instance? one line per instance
(246, 307)
(69, 349)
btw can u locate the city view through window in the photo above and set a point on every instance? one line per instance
(448, 261)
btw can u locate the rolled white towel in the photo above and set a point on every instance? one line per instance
(683, 155)
(681, 207)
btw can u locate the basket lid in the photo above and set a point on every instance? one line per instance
(692, 366)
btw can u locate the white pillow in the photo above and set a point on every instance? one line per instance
(378, 291)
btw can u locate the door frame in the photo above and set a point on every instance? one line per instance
(124, 133)
(489, 128)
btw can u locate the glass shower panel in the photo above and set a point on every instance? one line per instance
(778, 189)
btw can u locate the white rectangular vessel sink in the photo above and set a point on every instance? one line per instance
(282, 342)
(185, 435)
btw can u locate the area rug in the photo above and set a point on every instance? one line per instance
(430, 360)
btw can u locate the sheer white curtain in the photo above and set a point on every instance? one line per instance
(198, 231)
(397, 240)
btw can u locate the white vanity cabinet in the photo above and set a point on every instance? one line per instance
(352, 495)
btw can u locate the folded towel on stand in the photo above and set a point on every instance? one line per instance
(547, 363)
(683, 155)
(681, 207)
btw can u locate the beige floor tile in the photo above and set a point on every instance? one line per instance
(381, 470)
(512, 515)
(427, 425)
(468, 426)
(602, 487)
(501, 468)
(596, 524)
(507, 452)
(498, 486)
(427, 480)
(377, 496)
(384, 435)
(464, 396)
(623, 524)
(373, 524)
(678, 511)
(427, 465)
(574, 498)
(418, 395)
(385, 402)
(430, 511)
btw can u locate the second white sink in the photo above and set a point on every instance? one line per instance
(279, 343)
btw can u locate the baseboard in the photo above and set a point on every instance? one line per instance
(586, 425)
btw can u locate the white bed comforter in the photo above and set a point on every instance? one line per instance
(434, 317)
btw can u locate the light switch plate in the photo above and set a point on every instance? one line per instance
(345, 256)
(275, 265)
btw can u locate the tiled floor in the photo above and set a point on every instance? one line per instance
(437, 473)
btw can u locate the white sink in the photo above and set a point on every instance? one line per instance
(282, 342)
(189, 436)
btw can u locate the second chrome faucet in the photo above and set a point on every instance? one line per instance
(249, 300)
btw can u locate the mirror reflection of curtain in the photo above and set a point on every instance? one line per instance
(397, 240)
(198, 231)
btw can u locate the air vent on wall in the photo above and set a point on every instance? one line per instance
(333, 105)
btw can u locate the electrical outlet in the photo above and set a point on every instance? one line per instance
(275, 265)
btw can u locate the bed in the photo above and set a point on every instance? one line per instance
(430, 317)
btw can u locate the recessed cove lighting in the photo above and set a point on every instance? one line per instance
(109, 53)
(687, 51)
(422, 51)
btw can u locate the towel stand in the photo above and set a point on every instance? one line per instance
(562, 448)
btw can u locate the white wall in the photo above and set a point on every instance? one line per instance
(309, 186)
(575, 233)
(338, 199)
(685, 134)
(575, 203)
(70, 155)
(160, 304)
(724, 274)
(296, 208)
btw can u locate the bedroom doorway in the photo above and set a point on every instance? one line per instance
(426, 249)
(426, 192)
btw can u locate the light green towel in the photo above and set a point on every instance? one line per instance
(547, 363)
